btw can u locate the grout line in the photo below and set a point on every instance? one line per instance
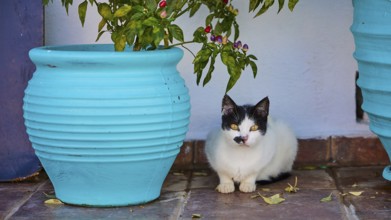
(348, 209)
(23, 201)
(182, 208)
(350, 212)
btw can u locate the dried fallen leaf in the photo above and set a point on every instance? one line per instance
(178, 174)
(327, 199)
(310, 168)
(53, 202)
(358, 193)
(254, 196)
(354, 185)
(273, 200)
(292, 189)
(196, 216)
(265, 189)
(323, 167)
(200, 174)
(50, 196)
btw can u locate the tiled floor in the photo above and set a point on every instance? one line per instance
(192, 194)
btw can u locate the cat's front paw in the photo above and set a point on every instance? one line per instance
(247, 187)
(225, 188)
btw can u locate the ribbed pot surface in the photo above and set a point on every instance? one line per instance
(106, 125)
(372, 34)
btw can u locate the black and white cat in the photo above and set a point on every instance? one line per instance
(250, 146)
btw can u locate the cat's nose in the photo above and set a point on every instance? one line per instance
(245, 138)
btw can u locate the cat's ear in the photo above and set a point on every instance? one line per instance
(262, 107)
(228, 105)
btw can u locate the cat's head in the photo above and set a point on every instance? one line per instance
(244, 125)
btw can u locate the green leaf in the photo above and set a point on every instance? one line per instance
(265, 7)
(45, 2)
(196, 216)
(237, 31)
(180, 4)
(120, 43)
(203, 55)
(176, 32)
(53, 202)
(99, 35)
(102, 24)
(280, 5)
(254, 68)
(195, 8)
(147, 37)
(82, 12)
(254, 4)
(137, 16)
(138, 8)
(66, 4)
(292, 189)
(327, 198)
(292, 4)
(235, 73)
(252, 57)
(227, 59)
(158, 35)
(208, 19)
(208, 76)
(218, 29)
(122, 11)
(151, 5)
(105, 11)
(130, 37)
(151, 21)
(273, 200)
(356, 193)
(171, 6)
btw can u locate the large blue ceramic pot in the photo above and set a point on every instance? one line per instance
(372, 34)
(106, 126)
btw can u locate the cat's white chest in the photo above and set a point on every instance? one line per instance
(239, 161)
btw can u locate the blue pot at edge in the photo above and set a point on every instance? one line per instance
(371, 29)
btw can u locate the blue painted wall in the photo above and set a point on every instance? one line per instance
(21, 25)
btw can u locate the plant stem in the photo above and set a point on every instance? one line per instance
(178, 14)
(182, 43)
(137, 45)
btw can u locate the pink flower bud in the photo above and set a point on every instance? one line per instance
(163, 14)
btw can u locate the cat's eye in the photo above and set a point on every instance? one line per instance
(254, 128)
(234, 127)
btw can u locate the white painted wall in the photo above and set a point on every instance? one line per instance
(305, 62)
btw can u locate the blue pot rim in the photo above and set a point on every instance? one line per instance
(99, 49)
(101, 52)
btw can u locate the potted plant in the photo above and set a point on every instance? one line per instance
(371, 29)
(107, 121)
